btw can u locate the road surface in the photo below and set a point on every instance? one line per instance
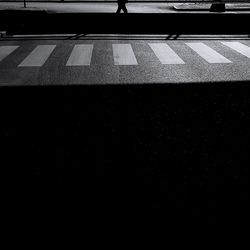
(118, 59)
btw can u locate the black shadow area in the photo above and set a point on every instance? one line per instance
(38, 22)
(107, 154)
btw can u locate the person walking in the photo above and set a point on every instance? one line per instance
(122, 6)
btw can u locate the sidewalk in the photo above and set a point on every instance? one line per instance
(111, 7)
(205, 6)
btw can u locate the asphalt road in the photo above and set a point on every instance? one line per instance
(174, 152)
(114, 59)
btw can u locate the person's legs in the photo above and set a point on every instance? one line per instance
(119, 9)
(124, 8)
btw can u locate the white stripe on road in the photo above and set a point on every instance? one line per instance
(43, 35)
(6, 50)
(123, 54)
(165, 54)
(207, 53)
(81, 55)
(38, 56)
(239, 47)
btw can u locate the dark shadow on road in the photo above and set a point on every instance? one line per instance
(76, 37)
(173, 37)
(179, 153)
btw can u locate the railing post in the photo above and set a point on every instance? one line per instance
(217, 7)
(24, 3)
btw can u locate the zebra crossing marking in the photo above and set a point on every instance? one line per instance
(123, 54)
(6, 50)
(239, 47)
(165, 54)
(80, 55)
(207, 53)
(38, 56)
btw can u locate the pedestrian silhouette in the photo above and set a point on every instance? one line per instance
(121, 6)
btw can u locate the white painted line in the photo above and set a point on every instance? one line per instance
(126, 35)
(6, 50)
(43, 35)
(165, 54)
(123, 54)
(80, 55)
(214, 36)
(207, 53)
(38, 56)
(239, 47)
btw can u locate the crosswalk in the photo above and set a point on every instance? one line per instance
(165, 54)
(239, 47)
(124, 55)
(38, 56)
(81, 55)
(6, 50)
(210, 55)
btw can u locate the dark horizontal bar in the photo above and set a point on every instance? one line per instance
(68, 23)
(130, 1)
